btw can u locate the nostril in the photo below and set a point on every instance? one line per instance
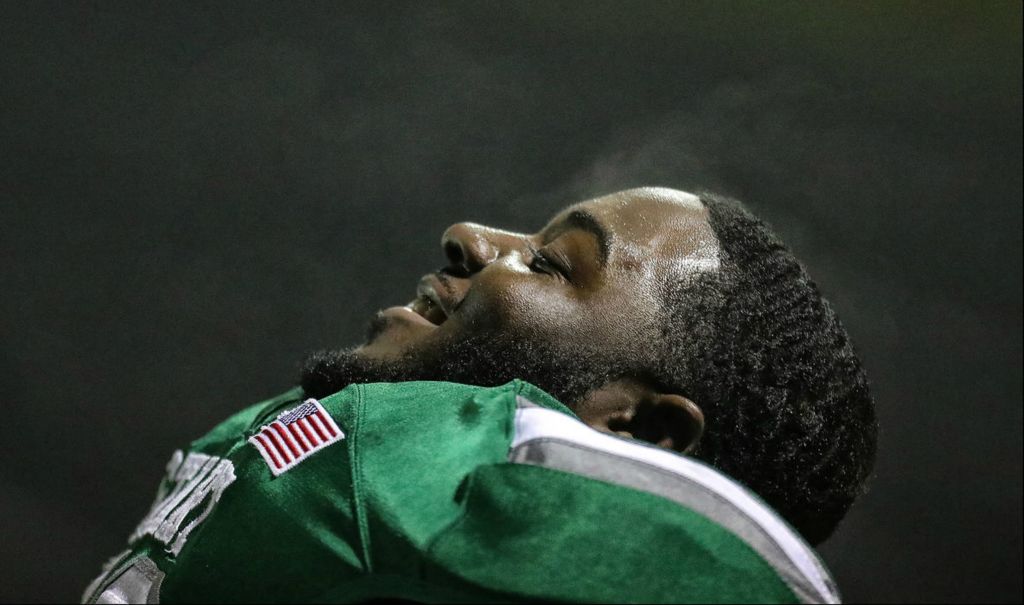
(454, 253)
(467, 247)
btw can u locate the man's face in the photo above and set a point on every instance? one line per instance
(589, 281)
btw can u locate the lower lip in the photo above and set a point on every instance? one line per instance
(407, 314)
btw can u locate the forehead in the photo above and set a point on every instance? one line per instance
(665, 225)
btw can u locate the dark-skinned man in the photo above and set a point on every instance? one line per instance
(584, 413)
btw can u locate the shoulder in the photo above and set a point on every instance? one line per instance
(443, 413)
(238, 423)
(544, 437)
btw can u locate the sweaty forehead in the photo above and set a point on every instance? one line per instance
(667, 226)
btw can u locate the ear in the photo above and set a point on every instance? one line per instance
(666, 420)
(633, 410)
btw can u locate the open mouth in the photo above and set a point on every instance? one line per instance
(428, 309)
(435, 300)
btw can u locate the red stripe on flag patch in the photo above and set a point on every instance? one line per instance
(283, 432)
(304, 425)
(295, 435)
(319, 428)
(327, 423)
(275, 442)
(293, 428)
(263, 446)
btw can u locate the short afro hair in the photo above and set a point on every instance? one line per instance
(786, 401)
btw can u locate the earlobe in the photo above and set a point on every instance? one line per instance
(666, 420)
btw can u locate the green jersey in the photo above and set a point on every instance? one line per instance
(433, 491)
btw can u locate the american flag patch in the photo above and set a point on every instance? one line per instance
(297, 434)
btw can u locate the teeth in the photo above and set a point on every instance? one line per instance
(427, 309)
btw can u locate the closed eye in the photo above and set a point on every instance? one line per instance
(553, 264)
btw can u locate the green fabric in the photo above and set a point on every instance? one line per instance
(419, 502)
(269, 536)
(528, 531)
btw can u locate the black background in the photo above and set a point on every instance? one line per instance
(196, 195)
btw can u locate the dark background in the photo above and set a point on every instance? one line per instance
(194, 196)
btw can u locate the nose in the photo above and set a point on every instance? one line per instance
(471, 247)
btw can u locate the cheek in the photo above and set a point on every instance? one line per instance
(535, 307)
(529, 305)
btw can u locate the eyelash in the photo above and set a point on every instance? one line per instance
(549, 267)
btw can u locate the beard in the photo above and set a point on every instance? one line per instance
(491, 360)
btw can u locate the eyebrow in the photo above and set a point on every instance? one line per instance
(584, 221)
